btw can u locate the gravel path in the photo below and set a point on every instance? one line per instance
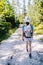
(14, 47)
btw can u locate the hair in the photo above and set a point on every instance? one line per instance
(27, 23)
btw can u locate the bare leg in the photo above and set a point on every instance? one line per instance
(27, 46)
(30, 46)
(30, 49)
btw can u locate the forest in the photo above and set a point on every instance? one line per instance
(10, 19)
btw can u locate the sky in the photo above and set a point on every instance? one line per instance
(21, 1)
(21, 5)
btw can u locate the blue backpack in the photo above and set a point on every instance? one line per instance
(28, 32)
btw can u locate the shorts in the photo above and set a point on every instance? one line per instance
(28, 39)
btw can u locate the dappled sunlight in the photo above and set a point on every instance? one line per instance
(16, 47)
(36, 43)
(14, 16)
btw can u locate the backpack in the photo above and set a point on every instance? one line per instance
(28, 31)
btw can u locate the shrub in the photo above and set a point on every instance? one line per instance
(11, 20)
(4, 27)
(17, 23)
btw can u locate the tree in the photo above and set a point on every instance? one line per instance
(2, 6)
(24, 8)
(34, 12)
(29, 3)
(18, 7)
(41, 11)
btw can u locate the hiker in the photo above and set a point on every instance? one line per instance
(27, 30)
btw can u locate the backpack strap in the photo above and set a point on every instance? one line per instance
(31, 30)
(23, 30)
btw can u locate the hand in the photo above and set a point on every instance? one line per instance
(23, 39)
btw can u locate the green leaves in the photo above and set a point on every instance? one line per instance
(36, 11)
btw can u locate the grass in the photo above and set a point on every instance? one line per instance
(7, 35)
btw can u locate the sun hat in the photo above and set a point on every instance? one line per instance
(27, 19)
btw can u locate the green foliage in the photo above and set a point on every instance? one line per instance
(4, 27)
(11, 20)
(7, 10)
(2, 6)
(5, 36)
(35, 11)
(41, 11)
(38, 29)
(7, 19)
(17, 23)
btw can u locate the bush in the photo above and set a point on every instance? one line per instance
(11, 20)
(4, 27)
(39, 29)
(17, 23)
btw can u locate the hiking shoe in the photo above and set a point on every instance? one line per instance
(11, 57)
(30, 56)
(8, 64)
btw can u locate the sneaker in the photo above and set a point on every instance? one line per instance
(30, 56)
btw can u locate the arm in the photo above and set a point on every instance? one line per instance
(23, 32)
